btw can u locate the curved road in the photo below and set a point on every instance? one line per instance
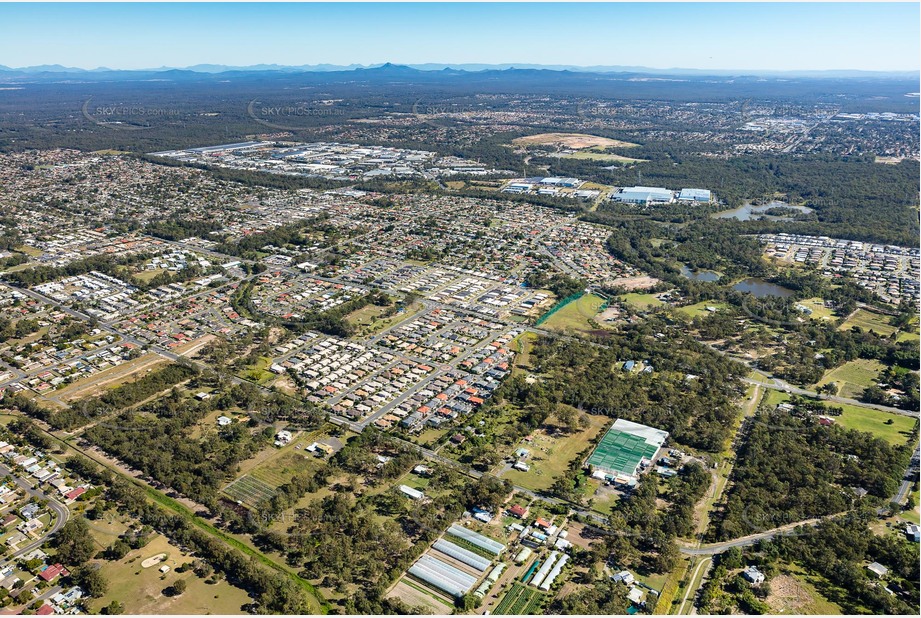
(61, 512)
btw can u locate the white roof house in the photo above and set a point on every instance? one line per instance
(877, 569)
(415, 494)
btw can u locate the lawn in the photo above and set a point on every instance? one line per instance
(366, 316)
(641, 301)
(551, 454)
(575, 315)
(867, 320)
(853, 377)
(874, 422)
(818, 308)
(698, 309)
(258, 373)
(860, 418)
(146, 275)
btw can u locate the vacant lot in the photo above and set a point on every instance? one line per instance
(853, 377)
(576, 141)
(576, 315)
(111, 377)
(552, 451)
(793, 593)
(867, 320)
(602, 156)
(641, 301)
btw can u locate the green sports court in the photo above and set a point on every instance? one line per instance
(624, 446)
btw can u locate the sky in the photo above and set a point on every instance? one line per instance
(751, 36)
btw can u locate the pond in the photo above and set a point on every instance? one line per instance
(700, 275)
(750, 212)
(759, 288)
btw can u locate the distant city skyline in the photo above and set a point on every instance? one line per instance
(717, 36)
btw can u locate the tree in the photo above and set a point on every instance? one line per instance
(176, 589)
(113, 609)
(92, 581)
(74, 543)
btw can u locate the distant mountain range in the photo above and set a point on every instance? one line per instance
(416, 69)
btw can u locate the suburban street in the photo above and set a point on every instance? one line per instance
(61, 514)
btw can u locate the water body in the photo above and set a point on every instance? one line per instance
(750, 212)
(700, 275)
(759, 288)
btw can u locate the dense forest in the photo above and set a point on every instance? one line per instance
(696, 412)
(791, 469)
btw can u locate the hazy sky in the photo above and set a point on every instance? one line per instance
(769, 36)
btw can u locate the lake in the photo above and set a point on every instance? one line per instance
(700, 275)
(759, 288)
(749, 212)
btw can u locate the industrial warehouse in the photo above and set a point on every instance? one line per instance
(647, 196)
(624, 450)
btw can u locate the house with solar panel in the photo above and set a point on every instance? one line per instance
(624, 452)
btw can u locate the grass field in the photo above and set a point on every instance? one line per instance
(146, 275)
(641, 301)
(522, 346)
(859, 418)
(575, 315)
(602, 156)
(698, 309)
(366, 316)
(867, 320)
(874, 422)
(793, 592)
(551, 454)
(258, 373)
(140, 590)
(519, 600)
(30, 251)
(818, 308)
(853, 377)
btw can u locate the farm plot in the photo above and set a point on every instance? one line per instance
(249, 491)
(520, 600)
